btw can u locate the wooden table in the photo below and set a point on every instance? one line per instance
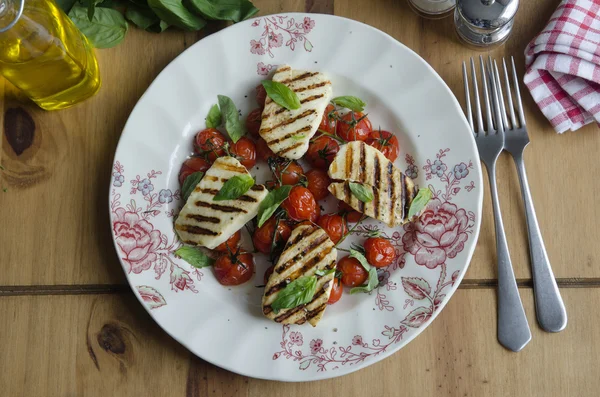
(71, 327)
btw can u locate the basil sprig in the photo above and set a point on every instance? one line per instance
(322, 273)
(296, 293)
(213, 118)
(350, 102)
(190, 184)
(271, 202)
(235, 187)
(230, 114)
(361, 192)
(373, 280)
(104, 27)
(419, 202)
(194, 257)
(281, 94)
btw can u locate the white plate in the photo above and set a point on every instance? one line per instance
(224, 325)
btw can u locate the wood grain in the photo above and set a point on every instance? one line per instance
(57, 187)
(108, 345)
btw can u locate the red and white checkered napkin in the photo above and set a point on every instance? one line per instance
(563, 66)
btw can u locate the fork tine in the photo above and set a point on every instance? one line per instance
(517, 93)
(488, 109)
(500, 96)
(467, 98)
(477, 100)
(496, 101)
(513, 119)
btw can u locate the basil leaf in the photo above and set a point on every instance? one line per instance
(361, 258)
(158, 27)
(371, 284)
(140, 16)
(66, 5)
(235, 187)
(174, 13)
(271, 202)
(190, 184)
(350, 102)
(194, 257)
(361, 192)
(106, 29)
(281, 94)
(213, 119)
(296, 293)
(419, 202)
(324, 272)
(223, 10)
(229, 112)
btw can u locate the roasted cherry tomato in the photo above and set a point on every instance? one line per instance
(314, 217)
(353, 273)
(352, 215)
(321, 151)
(262, 150)
(354, 126)
(245, 151)
(268, 273)
(336, 291)
(253, 122)
(231, 244)
(261, 95)
(210, 142)
(300, 204)
(385, 142)
(329, 120)
(303, 223)
(234, 269)
(289, 173)
(379, 251)
(263, 236)
(317, 183)
(334, 225)
(191, 165)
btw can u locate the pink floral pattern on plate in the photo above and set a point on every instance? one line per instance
(278, 31)
(140, 245)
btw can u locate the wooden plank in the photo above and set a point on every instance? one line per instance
(107, 345)
(57, 187)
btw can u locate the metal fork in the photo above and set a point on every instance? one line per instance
(513, 329)
(550, 309)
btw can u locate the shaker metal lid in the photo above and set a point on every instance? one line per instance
(487, 14)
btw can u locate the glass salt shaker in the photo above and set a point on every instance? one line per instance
(484, 23)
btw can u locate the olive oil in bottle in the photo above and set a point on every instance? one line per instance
(45, 55)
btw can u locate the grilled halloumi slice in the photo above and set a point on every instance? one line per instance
(393, 192)
(208, 223)
(309, 249)
(288, 132)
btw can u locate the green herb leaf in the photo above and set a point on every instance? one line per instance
(281, 94)
(106, 29)
(158, 27)
(174, 13)
(223, 10)
(235, 187)
(371, 284)
(66, 5)
(213, 119)
(271, 202)
(324, 272)
(190, 184)
(350, 102)
(361, 258)
(361, 192)
(232, 118)
(296, 293)
(140, 16)
(298, 137)
(419, 202)
(194, 257)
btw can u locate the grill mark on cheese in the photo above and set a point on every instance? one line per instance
(403, 197)
(217, 207)
(295, 146)
(306, 233)
(257, 188)
(377, 184)
(306, 113)
(390, 183)
(202, 218)
(196, 230)
(315, 312)
(310, 248)
(300, 78)
(213, 178)
(311, 98)
(311, 86)
(288, 136)
(361, 164)
(348, 167)
(232, 168)
(311, 263)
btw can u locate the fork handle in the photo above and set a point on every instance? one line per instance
(549, 306)
(513, 329)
